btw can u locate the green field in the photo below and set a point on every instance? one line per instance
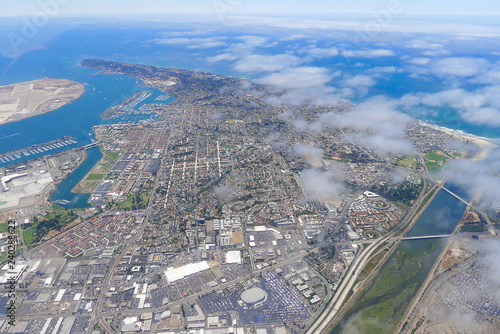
(433, 166)
(409, 161)
(436, 159)
(94, 177)
(28, 236)
(437, 156)
(473, 228)
(3, 227)
(135, 202)
(55, 220)
(108, 160)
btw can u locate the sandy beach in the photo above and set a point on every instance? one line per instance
(485, 146)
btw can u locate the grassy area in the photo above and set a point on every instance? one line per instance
(433, 166)
(109, 159)
(98, 172)
(436, 159)
(54, 221)
(403, 193)
(28, 236)
(135, 202)
(409, 161)
(329, 157)
(3, 227)
(436, 156)
(93, 177)
(473, 228)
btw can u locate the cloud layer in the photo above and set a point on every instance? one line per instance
(321, 185)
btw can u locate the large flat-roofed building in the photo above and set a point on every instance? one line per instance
(233, 257)
(9, 274)
(175, 274)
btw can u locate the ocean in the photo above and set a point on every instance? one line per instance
(59, 58)
(189, 46)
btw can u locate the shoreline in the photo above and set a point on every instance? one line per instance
(38, 113)
(485, 144)
(84, 156)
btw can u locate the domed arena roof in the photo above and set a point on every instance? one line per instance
(253, 296)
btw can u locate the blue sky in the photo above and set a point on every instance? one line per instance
(409, 7)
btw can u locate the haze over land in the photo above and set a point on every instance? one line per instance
(295, 171)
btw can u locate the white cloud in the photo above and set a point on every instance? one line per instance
(487, 116)
(254, 41)
(193, 43)
(419, 61)
(359, 81)
(299, 77)
(316, 96)
(321, 185)
(248, 44)
(382, 144)
(381, 125)
(313, 155)
(266, 63)
(478, 107)
(477, 177)
(489, 77)
(421, 44)
(377, 114)
(368, 53)
(436, 53)
(452, 68)
(319, 53)
(458, 66)
(221, 57)
(385, 69)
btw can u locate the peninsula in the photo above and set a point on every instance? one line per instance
(32, 98)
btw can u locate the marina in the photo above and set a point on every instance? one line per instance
(12, 157)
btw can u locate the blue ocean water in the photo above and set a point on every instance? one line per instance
(59, 56)
(137, 43)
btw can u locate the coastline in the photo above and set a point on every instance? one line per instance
(84, 157)
(485, 145)
(38, 113)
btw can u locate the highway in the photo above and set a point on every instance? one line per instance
(324, 320)
(331, 310)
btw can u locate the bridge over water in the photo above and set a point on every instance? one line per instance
(437, 236)
(455, 195)
(91, 145)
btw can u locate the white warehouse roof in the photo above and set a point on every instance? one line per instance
(233, 257)
(175, 274)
